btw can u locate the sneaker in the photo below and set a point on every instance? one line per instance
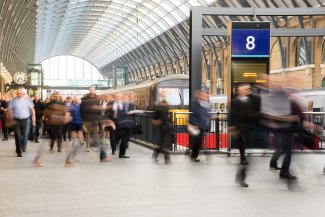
(36, 164)
(70, 164)
(87, 149)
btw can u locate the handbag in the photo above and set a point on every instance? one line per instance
(9, 119)
(56, 115)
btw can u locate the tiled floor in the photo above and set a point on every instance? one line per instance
(139, 187)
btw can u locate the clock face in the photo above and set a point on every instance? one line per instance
(20, 77)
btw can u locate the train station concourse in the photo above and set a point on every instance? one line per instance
(162, 108)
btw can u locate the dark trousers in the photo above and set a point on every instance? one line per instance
(38, 126)
(164, 142)
(112, 138)
(242, 140)
(4, 128)
(283, 142)
(21, 134)
(56, 135)
(65, 131)
(124, 134)
(196, 144)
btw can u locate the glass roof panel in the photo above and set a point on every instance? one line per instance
(104, 30)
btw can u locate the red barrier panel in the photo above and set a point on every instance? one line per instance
(182, 139)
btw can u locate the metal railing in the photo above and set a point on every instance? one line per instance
(317, 118)
(215, 138)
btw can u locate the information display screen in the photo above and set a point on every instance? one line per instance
(249, 71)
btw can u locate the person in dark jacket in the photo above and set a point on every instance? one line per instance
(164, 123)
(55, 108)
(121, 108)
(3, 108)
(39, 108)
(200, 121)
(91, 113)
(244, 118)
(245, 114)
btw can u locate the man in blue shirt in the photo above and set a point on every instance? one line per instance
(22, 109)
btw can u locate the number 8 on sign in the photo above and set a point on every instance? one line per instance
(250, 45)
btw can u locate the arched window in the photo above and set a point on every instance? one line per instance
(323, 82)
(323, 51)
(300, 53)
(70, 71)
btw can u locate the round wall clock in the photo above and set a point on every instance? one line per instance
(20, 78)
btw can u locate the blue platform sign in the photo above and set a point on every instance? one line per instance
(250, 43)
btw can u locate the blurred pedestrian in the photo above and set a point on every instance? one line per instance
(65, 128)
(21, 109)
(91, 113)
(122, 106)
(54, 114)
(164, 123)
(199, 121)
(244, 117)
(75, 128)
(39, 109)
(280, 115)
(3, 109)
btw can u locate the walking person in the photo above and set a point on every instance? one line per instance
(65, 128)
(244, 117)
(75, 128)
(39, 109)
(91, 113)
(54, 113)
(280, 115)
(164, 123)
(3, 108)
(21, 109)
(124, 121)
(199, 121)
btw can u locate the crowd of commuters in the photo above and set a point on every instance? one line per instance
(98, 120)
(88, 122)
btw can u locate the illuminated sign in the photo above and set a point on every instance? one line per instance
(245, 71)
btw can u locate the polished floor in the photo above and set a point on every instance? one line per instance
(138, 187)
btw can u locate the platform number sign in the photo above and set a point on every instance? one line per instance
(250, 43)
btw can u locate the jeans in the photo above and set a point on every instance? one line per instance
(37, 129)
(283, 142)
(21, 134)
